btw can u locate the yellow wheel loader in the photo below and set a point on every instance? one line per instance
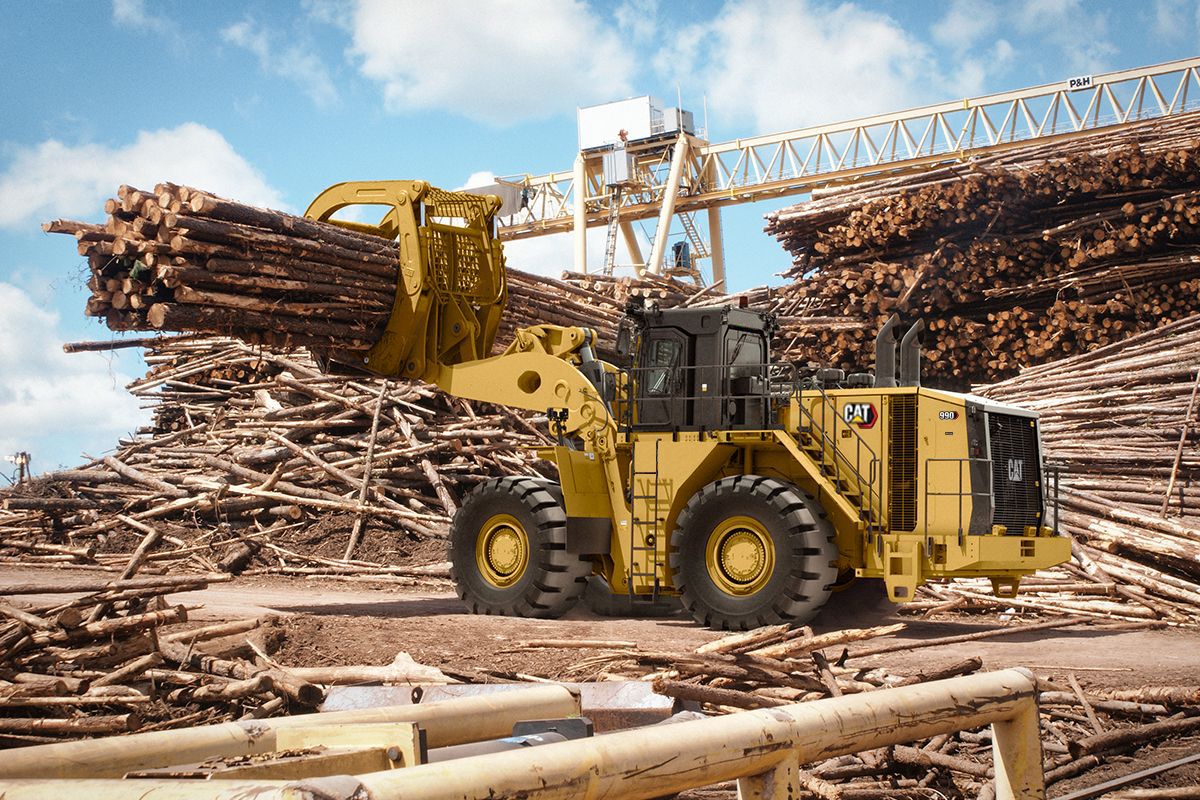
(698, 468)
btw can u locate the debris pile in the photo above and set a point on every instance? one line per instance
(96, 656)
(256, 459)
(1015, 259)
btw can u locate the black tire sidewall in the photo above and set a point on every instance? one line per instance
(464, 536)
(791, 537)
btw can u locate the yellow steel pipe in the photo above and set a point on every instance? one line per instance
(761, 749)
(451, 722)
(766, 743)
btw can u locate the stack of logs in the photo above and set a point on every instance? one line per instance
(68, 666)
(1020, 258)
(773, 666)
(181, 259)
(257, 459)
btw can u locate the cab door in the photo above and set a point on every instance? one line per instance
(663, 381)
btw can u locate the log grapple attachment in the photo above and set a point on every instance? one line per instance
(451, 289)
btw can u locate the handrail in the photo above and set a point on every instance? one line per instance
(869, 485)
(723, 372)
(960, 494)
(874, 512)
(1051, 478)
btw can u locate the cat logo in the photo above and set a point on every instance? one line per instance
(861, 414)
(1016, 469)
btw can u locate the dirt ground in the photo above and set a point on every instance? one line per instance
(323, 622)
(330, 621)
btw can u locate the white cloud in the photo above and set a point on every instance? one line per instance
(327, 12)
(293, 62)
(637, 19)
(1176, 20)
(133, 14)
(1078, 32)
(482, 178)
(51, 402)
(786, 65)
(53, 179)
(965, 22)
(497, 62)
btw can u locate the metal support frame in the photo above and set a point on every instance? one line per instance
(634, 247)
(448, 723)
(762, 750)
(670, 195)
(716, 246)
(580, 217)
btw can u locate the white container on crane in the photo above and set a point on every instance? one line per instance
(638, 118)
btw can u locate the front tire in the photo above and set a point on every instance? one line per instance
(508, 551)
(750, 551)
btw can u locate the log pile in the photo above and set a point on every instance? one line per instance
(257, 461)
(182, 259)
(107, 656)
(617, 290)
(1083, 729)
(1014, 259)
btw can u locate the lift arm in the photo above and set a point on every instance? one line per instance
(450, 294)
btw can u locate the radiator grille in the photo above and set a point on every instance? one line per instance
(1016, 471)
(902, 463)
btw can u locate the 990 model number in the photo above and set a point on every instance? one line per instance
(947, 416)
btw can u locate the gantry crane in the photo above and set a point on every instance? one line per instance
(685, 175)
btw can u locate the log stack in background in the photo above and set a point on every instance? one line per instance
(1123, 422)
(1015, 259)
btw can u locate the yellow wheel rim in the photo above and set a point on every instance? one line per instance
(502, 550)
(740, 556)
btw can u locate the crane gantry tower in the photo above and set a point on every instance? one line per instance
(685, 175)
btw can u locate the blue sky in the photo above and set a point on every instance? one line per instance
(270, 102)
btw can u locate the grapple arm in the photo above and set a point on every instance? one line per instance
(451, 288)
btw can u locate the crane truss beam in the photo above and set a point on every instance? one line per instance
(783, 164)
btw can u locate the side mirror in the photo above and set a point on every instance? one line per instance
(625, 337)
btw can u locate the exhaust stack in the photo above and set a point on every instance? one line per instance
(910, 355)
(885, 353)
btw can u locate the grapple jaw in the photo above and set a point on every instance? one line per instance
(451, 285)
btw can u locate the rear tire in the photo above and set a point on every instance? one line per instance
(508, 551)
(749, 551)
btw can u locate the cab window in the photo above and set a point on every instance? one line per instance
(662, 362)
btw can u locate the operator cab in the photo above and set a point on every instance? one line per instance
(699, 369)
